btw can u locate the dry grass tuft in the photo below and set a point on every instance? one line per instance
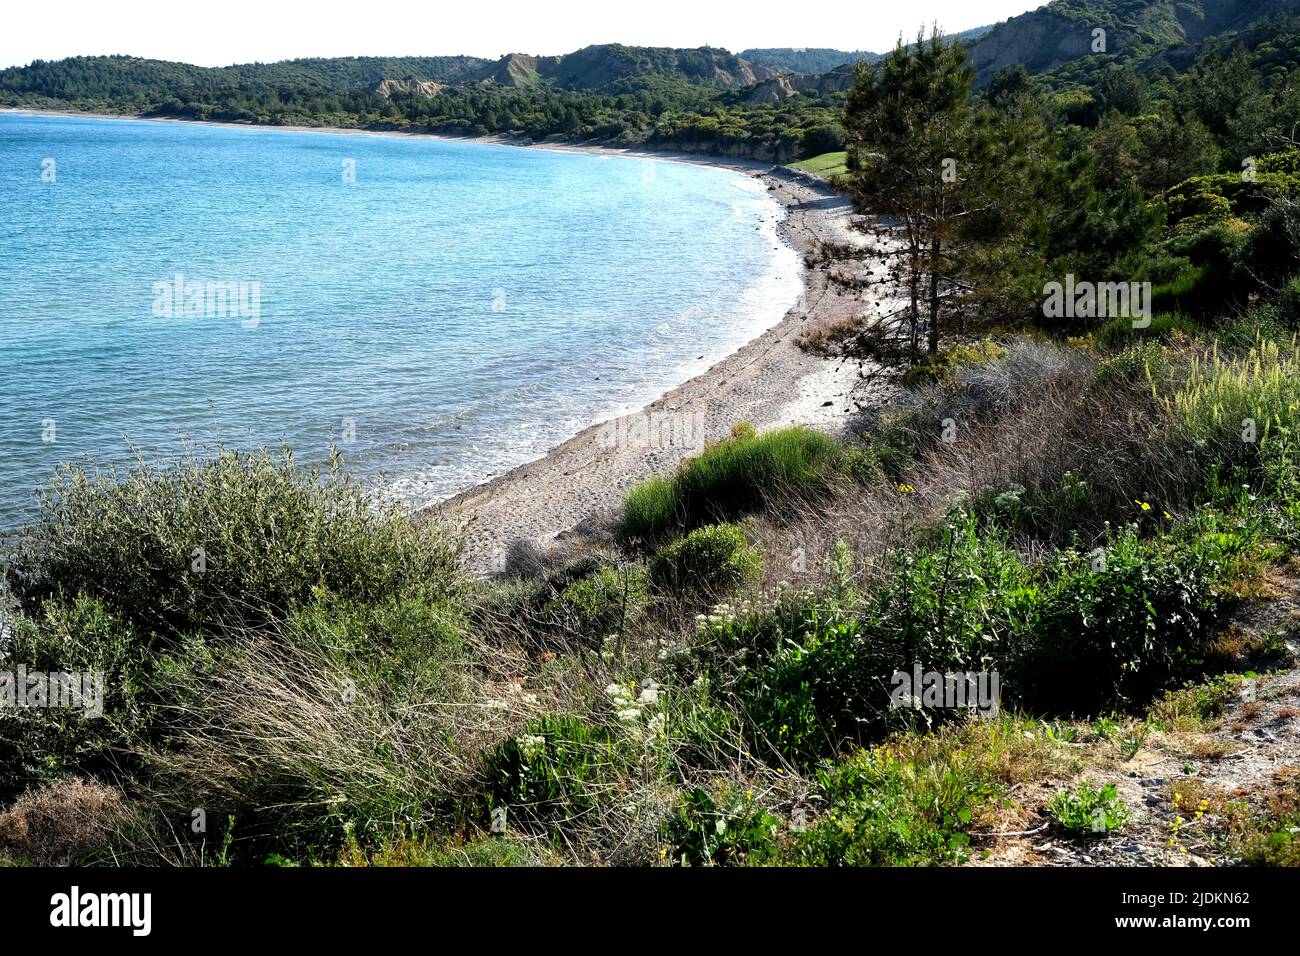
(61, 822)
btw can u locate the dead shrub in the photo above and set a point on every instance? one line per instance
(61, 822)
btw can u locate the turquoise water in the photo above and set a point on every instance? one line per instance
(452, 311)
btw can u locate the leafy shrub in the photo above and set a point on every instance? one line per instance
(888, 810)
(1112, 628)
(736, 476)
(85, 638)
(1088, 809)
(603, 603)
(236, 538)
(1067, 635)
(709, 562)
(1272, 250)
(1120, 332)
(913, 799)
(719, 827)
(945, 366)
(891, 444)
(389, 647)
(1262, 321)
(1138, 366)
(560, 765)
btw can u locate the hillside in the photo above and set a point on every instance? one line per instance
(808, 60)
(690, 99)
(1046, 39)
(772, 104)
(614, 65)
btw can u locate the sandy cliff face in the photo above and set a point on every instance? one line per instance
(1052, 36)
(427, 88)
(781, 88)
(1041, 40)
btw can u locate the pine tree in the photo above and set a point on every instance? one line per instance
(907, 120)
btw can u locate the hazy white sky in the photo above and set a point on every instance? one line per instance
(242, 31)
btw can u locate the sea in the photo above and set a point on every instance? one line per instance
(440, 311)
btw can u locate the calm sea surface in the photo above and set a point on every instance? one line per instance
(444, 310)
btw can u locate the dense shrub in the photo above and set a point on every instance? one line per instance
(235, 538)
(887, 810)
(606, 601)
(720, 826)
(1114, 628)
(81, 637)
(707, 563)
(1079, 633)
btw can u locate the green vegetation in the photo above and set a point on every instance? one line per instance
(722, 676)
(1088, 809)
(827, 165)
(708, 562)
(1110, 169)
(673, 99)
(731, 478)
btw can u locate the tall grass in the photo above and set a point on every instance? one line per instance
(1233, 404)
(734, 477)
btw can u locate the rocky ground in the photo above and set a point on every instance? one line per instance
(1188, 790)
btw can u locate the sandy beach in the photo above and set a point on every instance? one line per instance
(770, 382)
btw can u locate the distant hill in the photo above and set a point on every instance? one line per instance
(813, 60)
(610, 65)
(698, 99)
(606, 68)
(806, 60)
(1060, 33)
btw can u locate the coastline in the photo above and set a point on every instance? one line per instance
(575, 489)
(769, 382)
(732, 163)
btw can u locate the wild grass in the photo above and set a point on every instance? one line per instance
(733, 477)
(827, 165)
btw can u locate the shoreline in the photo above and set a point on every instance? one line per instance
(769, 382)
(573, 492)
(733, 163)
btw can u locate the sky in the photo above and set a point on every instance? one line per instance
(244, 31)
